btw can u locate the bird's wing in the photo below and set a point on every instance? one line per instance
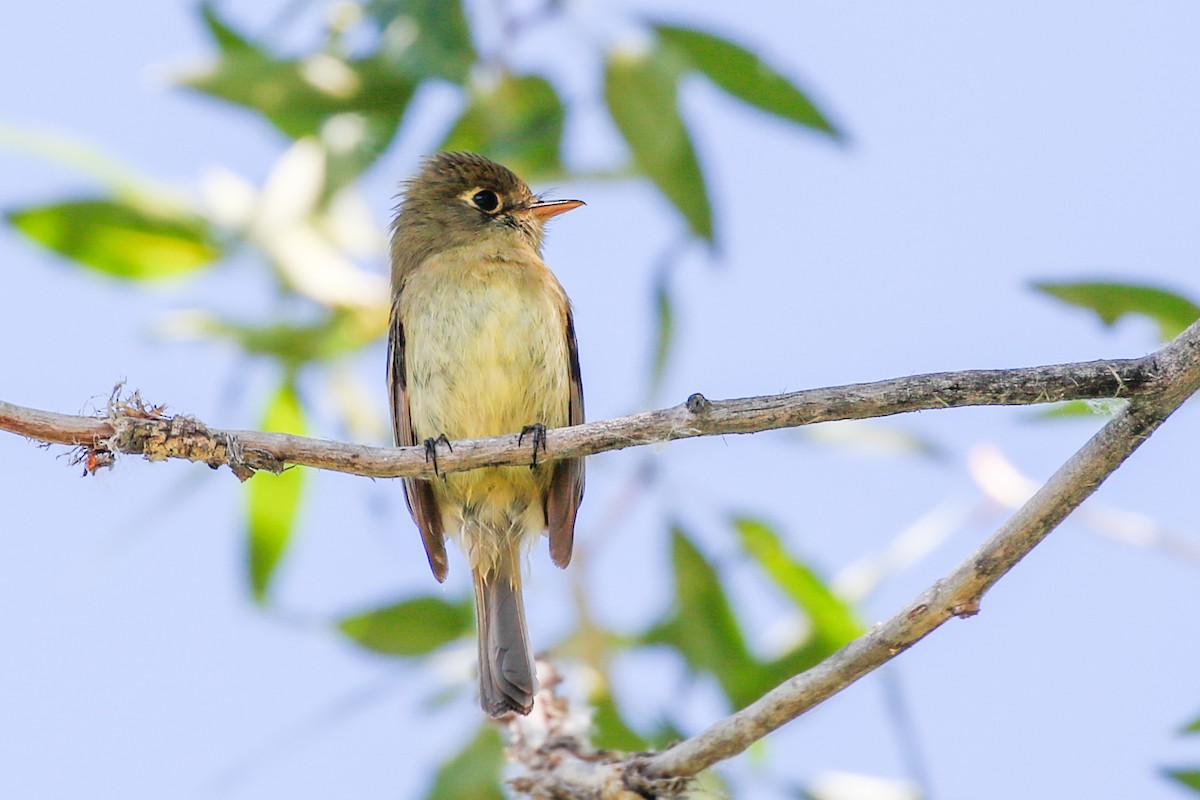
(566, 485)
(417, 491)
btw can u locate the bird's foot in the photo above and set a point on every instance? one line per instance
(537, 431)
(431, 451)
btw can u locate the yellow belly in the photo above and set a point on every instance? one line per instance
(486, 355)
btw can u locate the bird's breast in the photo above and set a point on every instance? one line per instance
(485, 345)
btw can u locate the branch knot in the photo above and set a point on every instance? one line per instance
(698, 404)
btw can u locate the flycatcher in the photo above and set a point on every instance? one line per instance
(481, 344)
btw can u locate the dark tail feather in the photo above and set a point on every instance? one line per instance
(507, 680)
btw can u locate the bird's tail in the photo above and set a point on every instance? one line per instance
(507, 680)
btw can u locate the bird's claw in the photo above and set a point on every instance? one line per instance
(431, 451)
(538, 432)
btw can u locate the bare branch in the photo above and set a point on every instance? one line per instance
(1154, 385)
(133, 429)
(1176, 371)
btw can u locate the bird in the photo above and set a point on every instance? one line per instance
(482, 343)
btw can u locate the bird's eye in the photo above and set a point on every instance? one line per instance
(486, 200)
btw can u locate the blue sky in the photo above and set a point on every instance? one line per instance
(988, 147)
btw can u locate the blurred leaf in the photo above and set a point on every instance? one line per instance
(342, 330)
(363, 139)
(664, 333)
(664, 316)
(1187, 777)
(69, 151)
(291, 344)
(1079, 408)
(611, 731)
(834, 622)
(1192, 727)
(641, 94)
(1111, 301)
(299, 97)
(425, 38)
(702, 626)
(224, 35)
(120, 239)
(516, 121)
(746, 76)
(274, 499)
(412, 627)
(249, 76)
(474, 772)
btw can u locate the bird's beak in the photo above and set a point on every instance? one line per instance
(546, 209)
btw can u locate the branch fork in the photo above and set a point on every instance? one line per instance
(1154, 386)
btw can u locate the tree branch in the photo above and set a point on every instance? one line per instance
(1155, 386)
(1175, 372)
(130, 427)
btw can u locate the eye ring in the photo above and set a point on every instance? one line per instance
(486, 200)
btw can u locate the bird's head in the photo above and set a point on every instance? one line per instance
(459, 199)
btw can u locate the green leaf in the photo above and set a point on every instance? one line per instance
(120, 239)
(249, 76)
(223, 34)
(299, 97)
(702, 626)
(274, 499)
(611, 731)
(1112, 301)
(834, 622)
(425, 38)
(515, 121)
(412, 627)
(746, 76)
(1192, 727)
(641, 92)
(76, 154)
(291, 344)
(342, 330)
(1187, 777)
(1074, 409)
(664, 332)
(474, 771)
